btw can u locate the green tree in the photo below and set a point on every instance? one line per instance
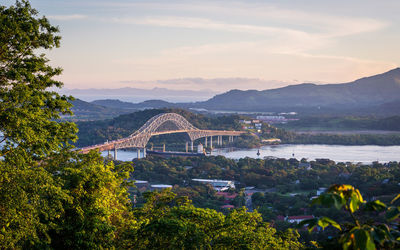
(50, 196)
(30, 199)
(359, 233)
(167, 221)
(28, 110)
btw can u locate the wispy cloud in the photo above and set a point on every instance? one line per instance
(67, 17)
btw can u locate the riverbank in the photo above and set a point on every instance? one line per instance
(338, 153)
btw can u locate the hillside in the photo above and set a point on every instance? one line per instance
(88, 111)
(361, 95)
(114, 103)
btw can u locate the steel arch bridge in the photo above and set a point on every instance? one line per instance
(154, 126)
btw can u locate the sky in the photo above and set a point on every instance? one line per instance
(221, 45)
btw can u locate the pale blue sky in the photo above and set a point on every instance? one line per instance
(133, 43)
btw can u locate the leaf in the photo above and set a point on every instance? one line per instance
(392, 213)
(329, 200)
(327, 221)
(310, 223)
(363, 240)
(395, 199)
(375, 206)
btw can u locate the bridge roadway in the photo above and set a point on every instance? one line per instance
(153, 127)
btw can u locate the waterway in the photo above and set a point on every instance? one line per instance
(338, 153)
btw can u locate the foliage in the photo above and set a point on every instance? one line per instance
(357, 234)
(167, 221)
(49, 195)
(391, 123)
(98, 210)
(27, 109)
(289, 137)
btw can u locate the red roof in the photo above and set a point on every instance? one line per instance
(228, 206)
(227, 195)
(300, 217)
(280, 217)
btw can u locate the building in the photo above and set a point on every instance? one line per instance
(140, 184)
(298, 219)
(305, 165)
(321, 190)
(227, 196)
(219, 185)
(200, 148)
(245, 121)
(160, 186)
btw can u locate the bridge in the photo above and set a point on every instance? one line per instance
(157, 125)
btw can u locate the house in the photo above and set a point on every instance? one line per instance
(227, 196)
(321, 190)
(141, 184)
(271, 141)
(228, 206)
(245, 121)
(305, 165)
(298, 219)
(219, 185)
(160, 186)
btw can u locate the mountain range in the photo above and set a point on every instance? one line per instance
(378, 94)
(362, 94)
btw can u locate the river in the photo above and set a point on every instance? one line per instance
(338, 153)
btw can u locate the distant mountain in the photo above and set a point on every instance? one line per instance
(113, 103)
(379, 94)
(139, 95)
(88, 111)
(373, 91)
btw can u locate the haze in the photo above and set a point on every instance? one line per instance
(266, 44)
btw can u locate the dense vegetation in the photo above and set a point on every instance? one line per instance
(289, 137)
(391, 123)
(280, 187)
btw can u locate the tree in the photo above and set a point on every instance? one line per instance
(29, 197)
(167, 221)
(50, 196)
(28, 110)
(360, 232)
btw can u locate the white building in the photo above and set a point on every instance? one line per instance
(200, 148)
(160, 186)
(219, 185)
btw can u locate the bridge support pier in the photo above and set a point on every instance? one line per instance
(211, 142)
(115, 154)
(205, 142)
(138, 153)
(191, 145)
(163, 148)
(187, 147)
(144, 152)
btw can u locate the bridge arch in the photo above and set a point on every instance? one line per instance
(152, 125)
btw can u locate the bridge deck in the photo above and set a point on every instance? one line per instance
(140, 138)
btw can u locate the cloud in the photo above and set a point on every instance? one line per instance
(67, 17)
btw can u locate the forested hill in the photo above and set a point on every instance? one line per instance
(368, 93)
(93, 132)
